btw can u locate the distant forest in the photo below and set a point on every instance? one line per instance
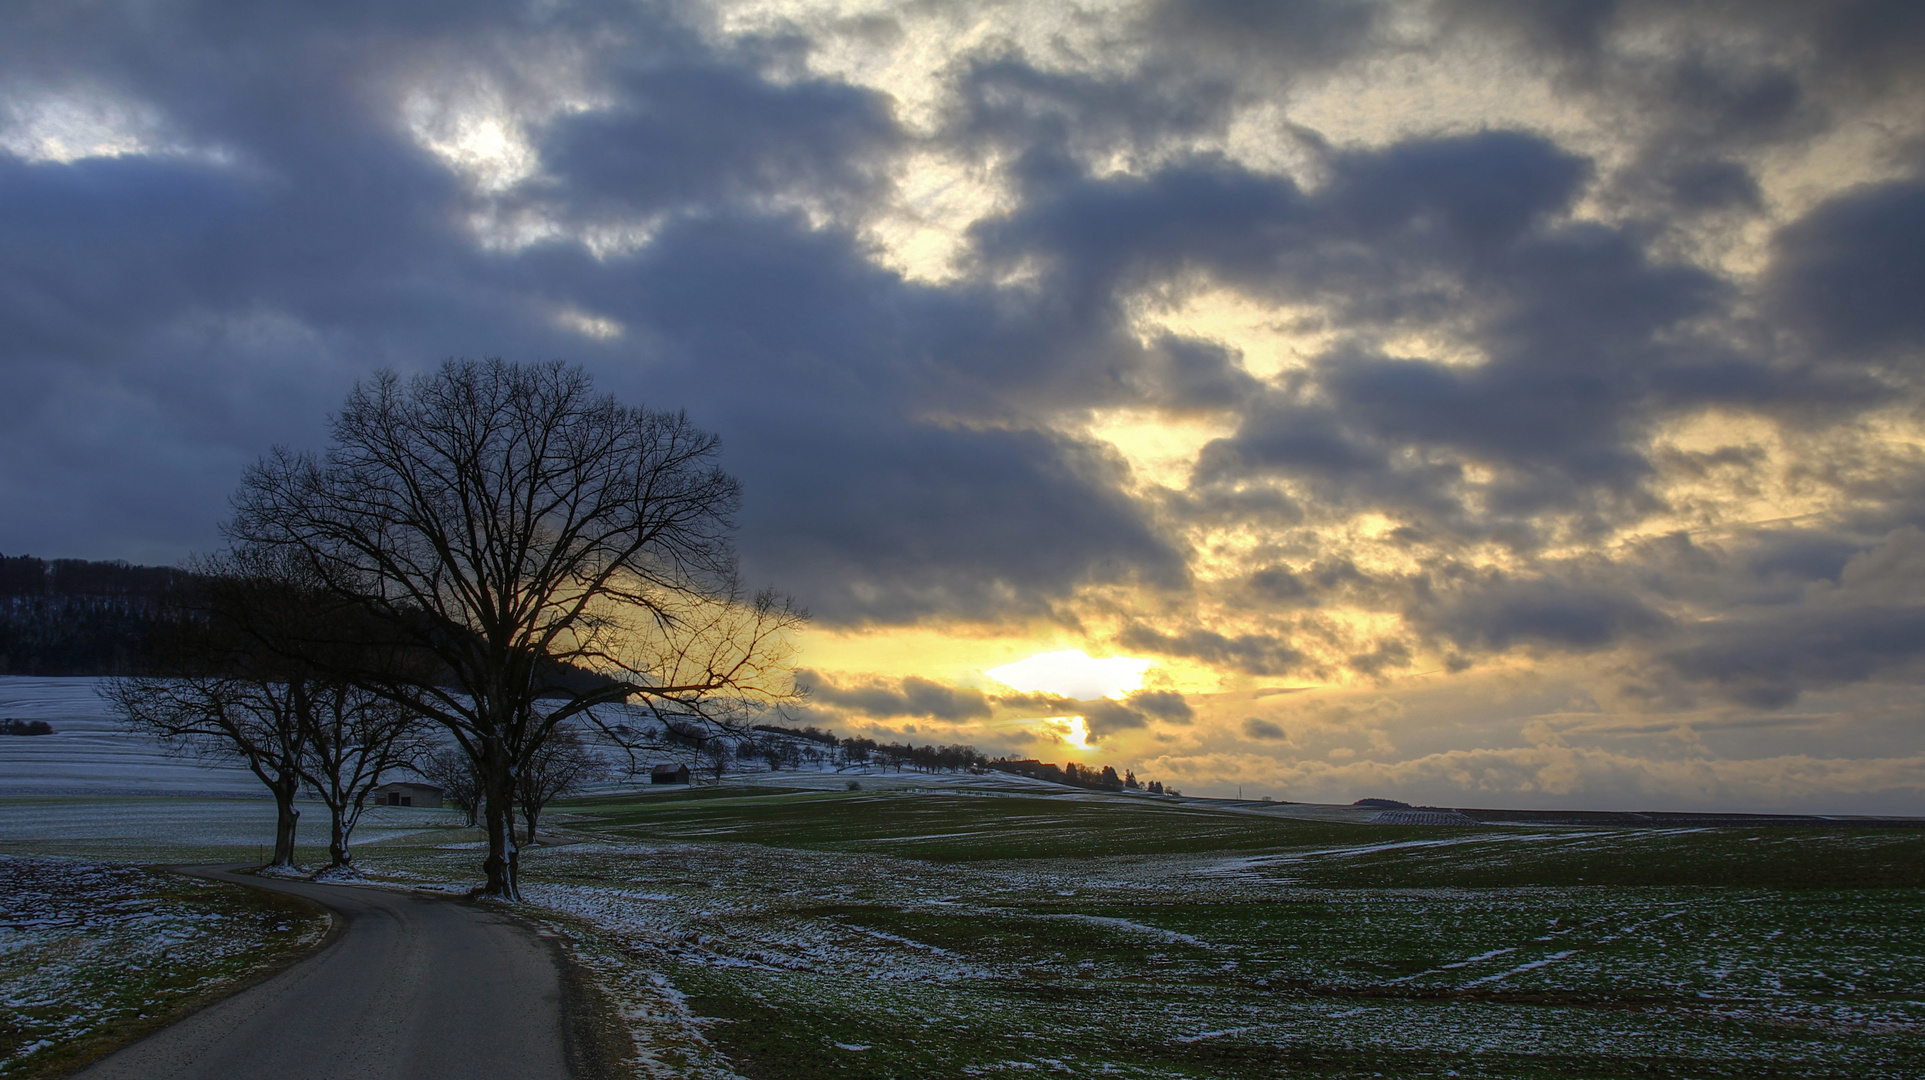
(76, 617)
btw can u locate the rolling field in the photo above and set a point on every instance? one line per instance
(923, 934)
(966, 927)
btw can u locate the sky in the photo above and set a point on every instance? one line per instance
(1472, 402)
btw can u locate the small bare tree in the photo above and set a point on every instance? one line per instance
(563, 765)
(353, 736)
(453, 771)
(716, 756)
(540, 543)
(250, 720)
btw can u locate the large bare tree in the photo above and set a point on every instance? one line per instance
(542, 543)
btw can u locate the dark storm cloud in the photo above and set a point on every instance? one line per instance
(166, 316)
(1258, 728)
(697, 133)
(345, 243)
(1255, 654)
(1049, 119)
(912, 696)
(1770, 663)
(1866, 45)
(1166, 705)
(1104, 718)
(1703, 88)
(1590, 338)
(1545, 612)
(1801, 556)
(1040, 703)
(1290, 32)
(855, 501)
(1279, 584)
(1852, 272)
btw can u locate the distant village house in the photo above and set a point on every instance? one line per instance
(668, 774)
(405, 793)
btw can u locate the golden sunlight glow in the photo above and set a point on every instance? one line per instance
(1072, 729)
(1160, 450)
(478, 139)
(1269, 337)
(1073, 673)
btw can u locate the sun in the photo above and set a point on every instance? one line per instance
(1073, 673)
(1074, 731)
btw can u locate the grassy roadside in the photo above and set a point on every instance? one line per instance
(94, 956)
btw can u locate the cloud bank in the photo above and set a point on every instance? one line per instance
(1314, 344)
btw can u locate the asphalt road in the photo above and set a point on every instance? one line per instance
(413, 987)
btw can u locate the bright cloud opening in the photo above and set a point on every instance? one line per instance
(1073, 673)
(1070, 729)
(1077, 734)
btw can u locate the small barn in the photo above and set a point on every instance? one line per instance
(668, 774)
(405, 793)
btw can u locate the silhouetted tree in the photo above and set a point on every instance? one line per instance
(716, 756)
(521, 530)
(453, 771)
(353, 736)
(252, 720)
(561, 765)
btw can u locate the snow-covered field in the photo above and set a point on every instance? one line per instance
(730, 946)
(88, 754)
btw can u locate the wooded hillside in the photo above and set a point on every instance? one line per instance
(77, 617)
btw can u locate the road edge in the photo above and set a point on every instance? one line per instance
(596, 1041)
(105, 1044)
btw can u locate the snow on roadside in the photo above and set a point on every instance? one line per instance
(87, 947)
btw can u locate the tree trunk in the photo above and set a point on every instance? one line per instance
(338, 852)
(530, 812)
(286, 818)
(503, 862)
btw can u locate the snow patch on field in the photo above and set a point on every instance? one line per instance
(1126, 925)
(85, 946)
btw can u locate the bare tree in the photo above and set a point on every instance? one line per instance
(243, 687)
(716, 755)
(538, 541)
(453, 771)
(249, 719)
(561, 766)
(777, 751)
(353, 736)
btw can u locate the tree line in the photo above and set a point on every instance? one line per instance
(840, 752)
(81, 617)
(836, 751)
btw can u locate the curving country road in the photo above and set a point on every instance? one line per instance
(414, 987)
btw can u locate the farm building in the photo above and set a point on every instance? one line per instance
(405, 793)
(668, 774)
